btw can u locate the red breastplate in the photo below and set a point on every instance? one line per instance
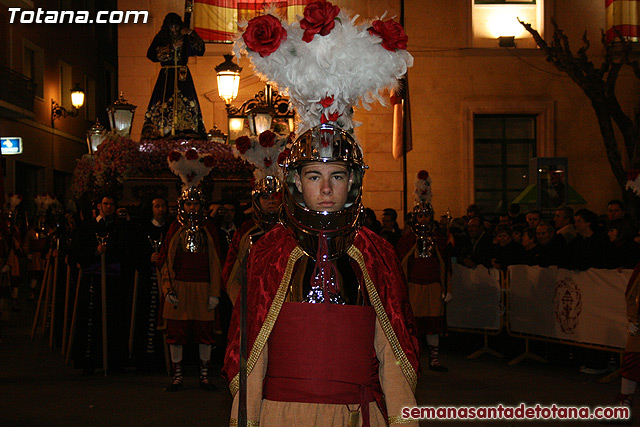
(423, 271)
(322, 353)
(191, 267)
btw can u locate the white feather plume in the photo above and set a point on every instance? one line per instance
(422, 188)
(191, 171)
(265, 159)
(349, 64)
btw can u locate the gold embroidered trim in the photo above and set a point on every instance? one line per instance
(402, 359)
(271, 318)
(397, 419)
(234, 423)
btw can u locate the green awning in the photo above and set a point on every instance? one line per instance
(529, 196)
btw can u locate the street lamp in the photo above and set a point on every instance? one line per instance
(228, 79)
(121, 116)
(95, 136)
(261, 110)
(77, 101)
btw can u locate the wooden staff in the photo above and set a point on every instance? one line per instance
(72, 331)
(53, 293)
(65, 314)
(42, 286)
(103, 291)
(47, 293)
(136, 279)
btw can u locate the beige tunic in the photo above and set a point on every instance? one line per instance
(193, 297)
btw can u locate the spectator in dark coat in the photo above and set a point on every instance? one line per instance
(587, 249)
(478, 250)
(550, 248)
(622, 251)
(506, 252)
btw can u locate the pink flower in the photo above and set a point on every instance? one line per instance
(319, 18)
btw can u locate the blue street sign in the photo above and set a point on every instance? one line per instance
(10, 145)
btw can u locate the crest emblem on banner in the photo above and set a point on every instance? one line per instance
(568, 304)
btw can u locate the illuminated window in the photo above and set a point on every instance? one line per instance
(217, 21)
(492, 19)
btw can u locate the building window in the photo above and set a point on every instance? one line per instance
(65, 85)
(492, 19)
(33, 65)
(89, 97)
(503, 145)
(216, 22)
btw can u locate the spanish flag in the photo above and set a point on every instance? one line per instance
(622, 19)
(217, 20)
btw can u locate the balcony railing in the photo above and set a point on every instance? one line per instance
(18, 89)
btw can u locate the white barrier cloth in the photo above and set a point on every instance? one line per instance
(476, 298)
(582, 306)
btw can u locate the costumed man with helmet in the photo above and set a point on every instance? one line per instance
(427, 266)
(265, 152)
(330, 335)
(189, 271)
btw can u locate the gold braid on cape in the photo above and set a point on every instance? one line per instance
(401, 357)
(270, 320)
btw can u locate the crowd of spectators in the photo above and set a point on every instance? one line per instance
(572, 240)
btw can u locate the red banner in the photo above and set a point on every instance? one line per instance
(217, 20)
(622, 19)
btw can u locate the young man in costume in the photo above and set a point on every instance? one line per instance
(330, 334)
(265, 153)
(190, 272)
(427, 266)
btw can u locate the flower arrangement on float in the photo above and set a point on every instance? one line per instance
(118, 159)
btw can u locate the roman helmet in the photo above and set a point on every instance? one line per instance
(265, 152)
(325, 143)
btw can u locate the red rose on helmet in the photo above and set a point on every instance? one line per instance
(326, 101)
(267, 139)
(243, 143)
(423, 174)
(174, 156)
(283, 156)
(392, 34)
(330, 118)
(264, 34)
(208, 161)
(191, 154)
(319, 18)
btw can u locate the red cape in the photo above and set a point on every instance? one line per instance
(266, 268)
